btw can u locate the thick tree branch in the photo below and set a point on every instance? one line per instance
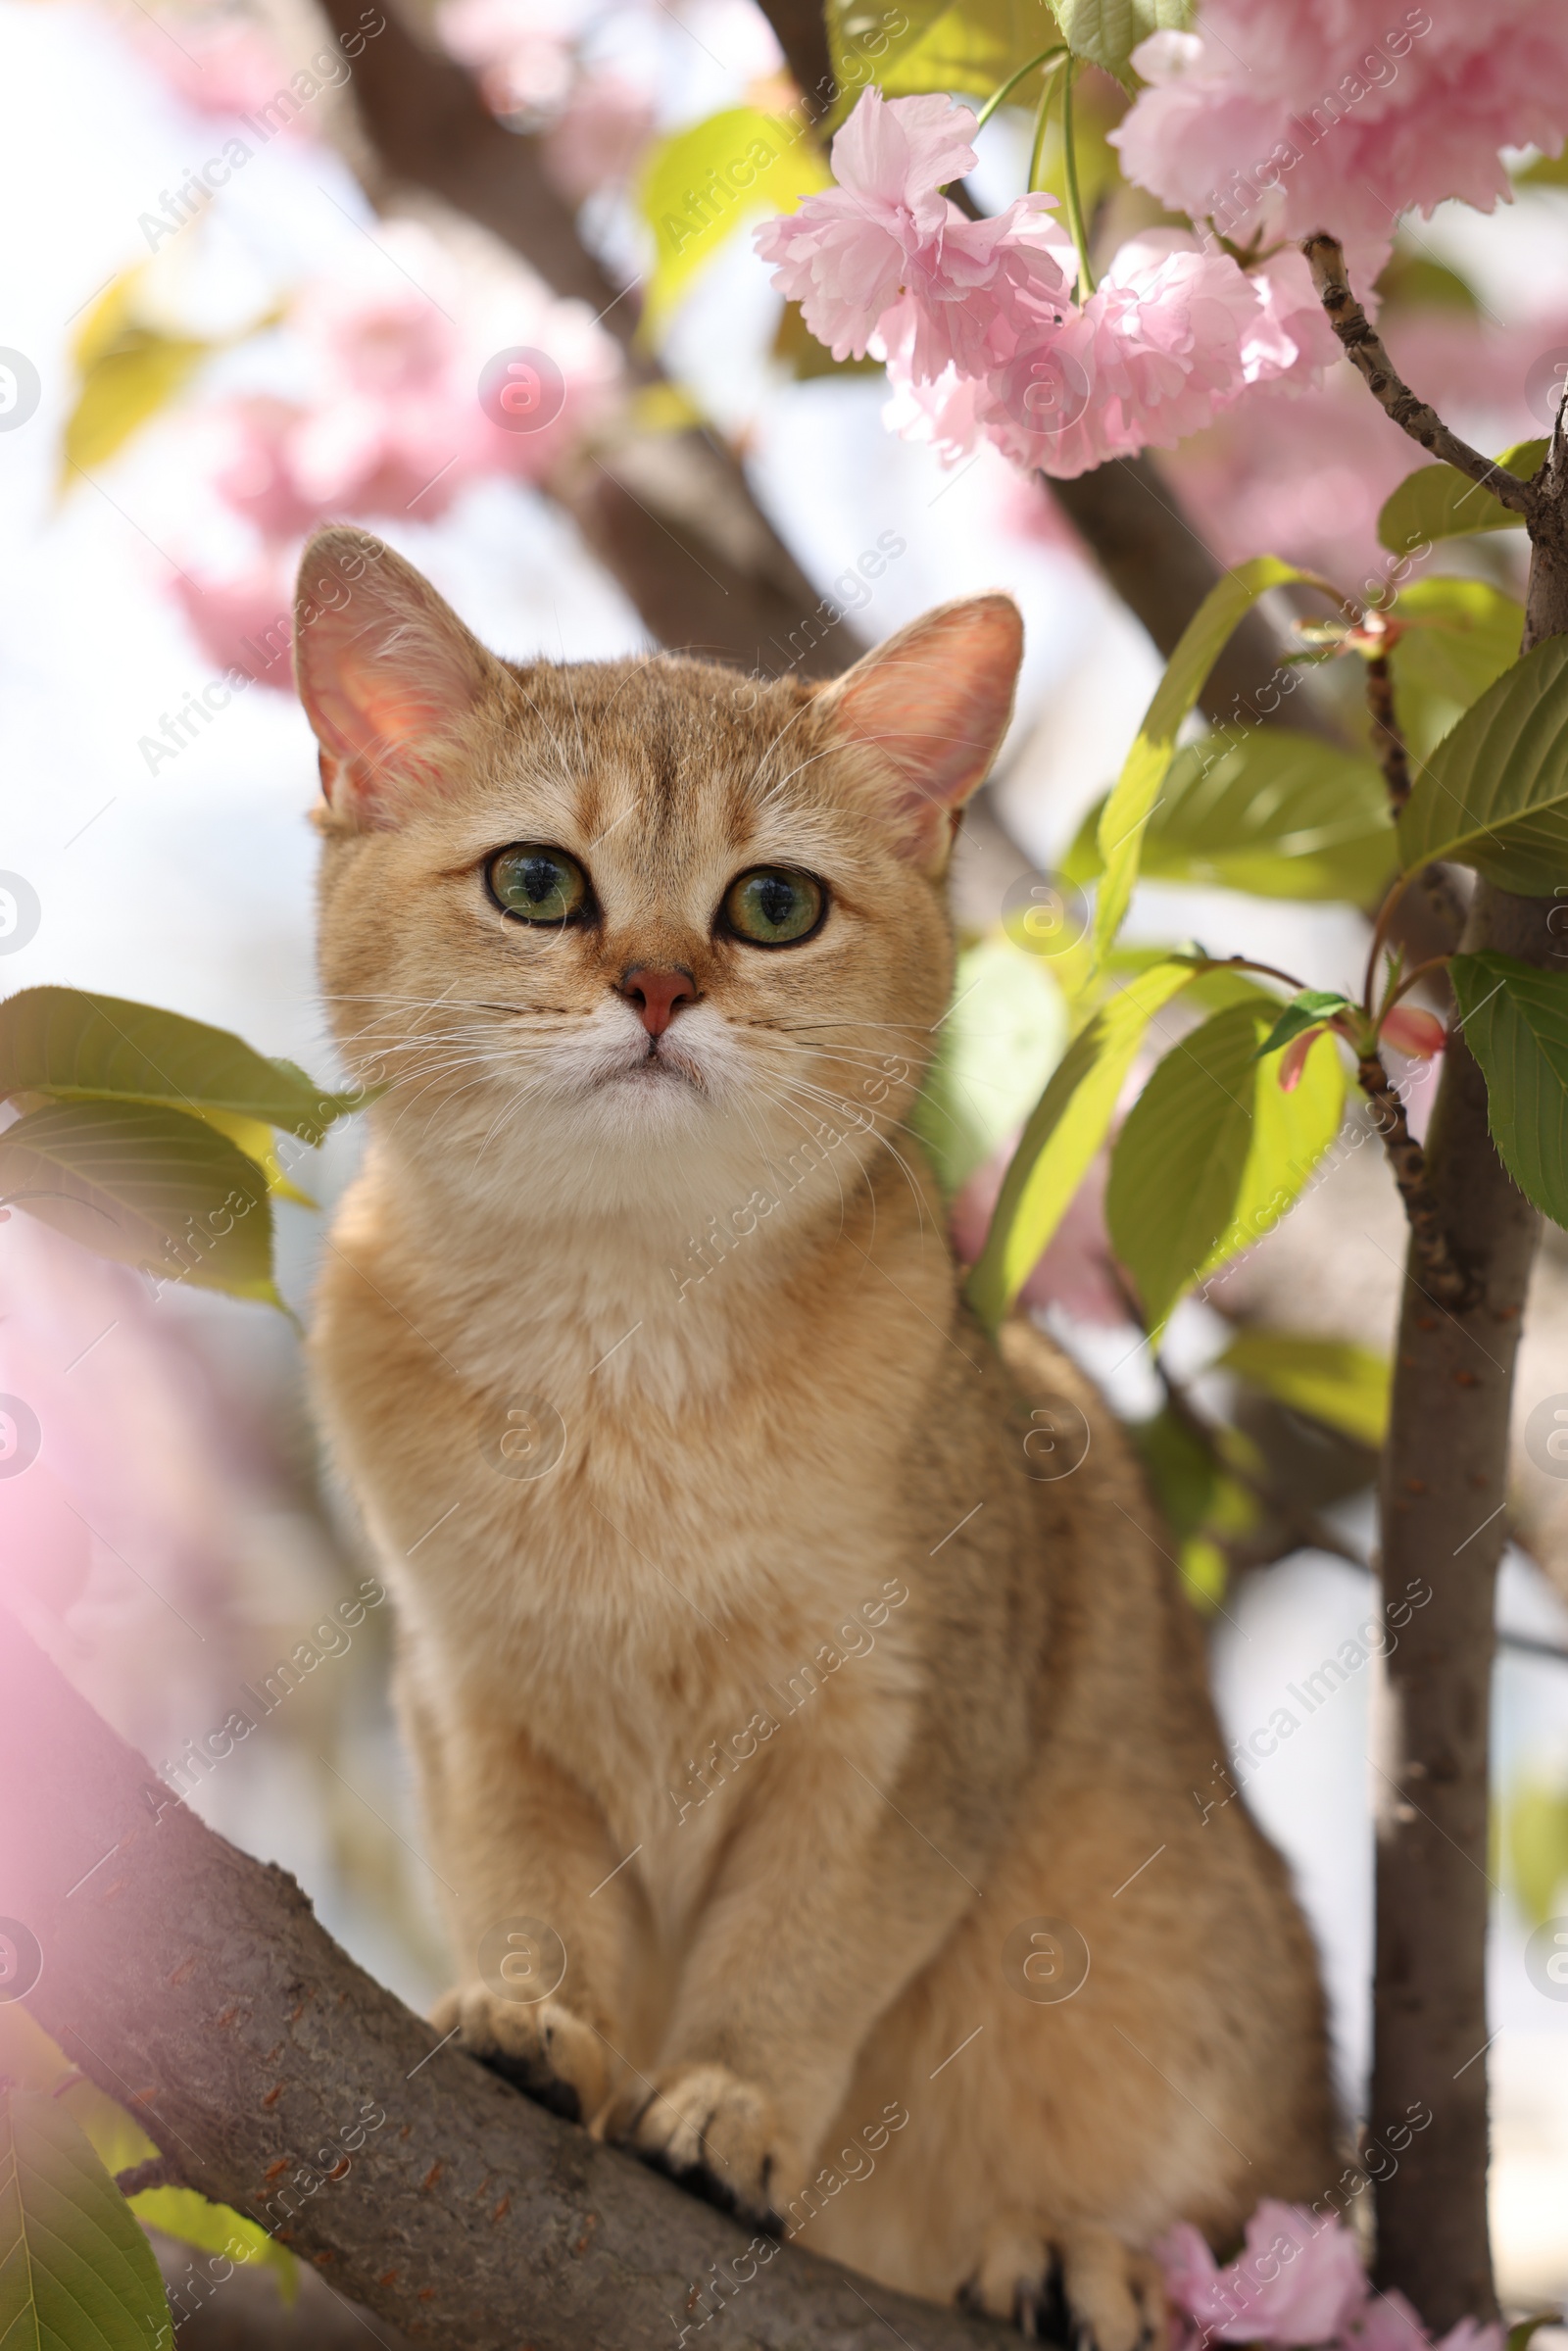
(195, 1987)
(1444, 1492)
(671, 516)
(1131, 521)
(1364, 347)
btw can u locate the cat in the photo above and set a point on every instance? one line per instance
(806, 1715)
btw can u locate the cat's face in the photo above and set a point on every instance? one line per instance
(624, 935)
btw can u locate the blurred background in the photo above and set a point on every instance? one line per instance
(266, 265)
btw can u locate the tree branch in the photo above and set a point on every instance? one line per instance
(196, 1987)
(1364, 348)
(1443, 1279)
(670, 516)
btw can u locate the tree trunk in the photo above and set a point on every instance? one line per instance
(195, 1987)
(1444, 1486)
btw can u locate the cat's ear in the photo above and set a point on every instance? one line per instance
(386, 671)
(934, 702)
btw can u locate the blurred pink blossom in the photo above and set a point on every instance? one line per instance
(217, 63)
(1287, 119)
(1075, 1272)
(1298, 2279)
(596, 139)
(522, 53)
(244, 620)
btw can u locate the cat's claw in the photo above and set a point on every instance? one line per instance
(1079, 2288)
(716, 2134)
(538, 2046)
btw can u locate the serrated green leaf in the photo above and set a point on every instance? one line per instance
(972, 46)
(1515, 1022)
(1494, 793)
(1107, 31)
(1301, 1013)
(1439, 502)
(76, 2269)
(1459, 635)
(81, 1048)
(1272, 812)
(148, 1187)
(1213, 1152)
(1143, 778)
(699, 184)
(1331, 1380)
(1065, 1130)
(998, 1045)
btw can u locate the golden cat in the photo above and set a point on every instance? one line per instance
(807, 1736)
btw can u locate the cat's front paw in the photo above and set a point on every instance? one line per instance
(539, 2045)
(1076, 2285)
(715, 2133)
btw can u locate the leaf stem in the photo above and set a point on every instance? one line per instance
(1075, 209)
(1046, 57)
(1434, 964)
(1379, 932)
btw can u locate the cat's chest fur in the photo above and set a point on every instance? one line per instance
(628, 1519)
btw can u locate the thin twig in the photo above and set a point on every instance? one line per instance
(1428, 1240)
(1364, 348)
(156, 2172)
(1385, 735)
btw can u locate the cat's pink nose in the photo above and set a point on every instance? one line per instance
(656, 993)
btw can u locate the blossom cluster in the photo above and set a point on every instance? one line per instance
(1281, 121)
(1298, 2279)
(390, 426)
(979, 320)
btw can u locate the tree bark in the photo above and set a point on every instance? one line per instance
(670, 516)
(195, 1987)
(1131, 523)
(1444, 1484)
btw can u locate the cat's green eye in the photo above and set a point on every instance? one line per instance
(773, 906)
(537, 884)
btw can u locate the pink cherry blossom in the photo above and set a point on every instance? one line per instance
(886, 234)
(1287, 120)
(1172, 336)
(1298, 2279)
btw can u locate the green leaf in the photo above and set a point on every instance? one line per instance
(1439, 502)
(1107, 31)
(81, 1048)
(128, 371)
(74, 2266)
(216, 2228)
(1536, 1838)
(1494, 793)
(1515, 1022)
(1065, 1130)
(699, 184)
(1272, 812)
(147, 1186)
(1459, 635)
(1343, 1386)
(973, 46)
(1001, 1038)
(1301, 1013)
(1213, 1152)
(33, 2061)
(1127, 811)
